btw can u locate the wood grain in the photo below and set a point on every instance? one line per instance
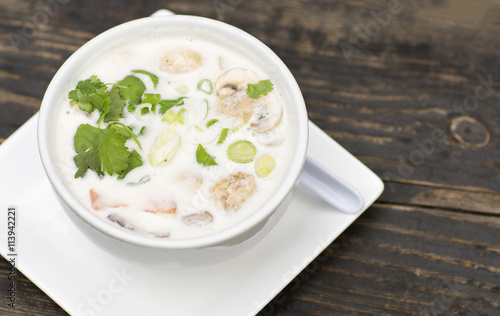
(415, 98)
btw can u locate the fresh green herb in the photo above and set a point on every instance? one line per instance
(134, 161)
(241, 151)
(154, 78)
(223, 135)
(115, 106)
(262, 87)
(125, 131)
(151, 99)
(131, 89)
(212, 122)
(142, 131)
(165, 105)
(91, 94)
(202, 157)
(205, 85)
(103, 151)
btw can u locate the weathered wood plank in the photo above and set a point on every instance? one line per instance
(400, 260)
(425, 248)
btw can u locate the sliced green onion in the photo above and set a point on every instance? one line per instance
(164, 148)
(199, 129)
(205, 85)
(206, 113)
(181, 89)
(179, 118)
(237, 128)
(264, 165)
(154, 78)
(202, 157)
(142, 180)
(241, 151)
(212, 122)
(223, 135)
(141, 110)
(169, 116)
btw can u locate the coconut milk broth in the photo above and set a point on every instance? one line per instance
(165, 186)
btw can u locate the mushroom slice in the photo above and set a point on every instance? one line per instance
(120, 221)
(237, 106)
(231, 192)
(198, 219)
(231, 87)
(234, 80)
(180, 60)
(266, 116)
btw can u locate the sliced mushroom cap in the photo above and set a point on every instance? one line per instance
(231, 87)
(180, 60)
(238, 106)
(231, 192)
(267, 115)
(234, 80)
(120, 221)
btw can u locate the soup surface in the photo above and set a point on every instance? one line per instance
(175, 137)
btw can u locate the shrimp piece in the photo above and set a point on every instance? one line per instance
(180, 60)
(266, 114)
(164, 208)
(98, 203)
(231, 192)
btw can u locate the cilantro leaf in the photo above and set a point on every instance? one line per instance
(262, 87)
(101, 150)
(202, 157)
(165, 105)
(134, 161)
(116, 106)
(131, 89)
(154, 78)
(91, 94)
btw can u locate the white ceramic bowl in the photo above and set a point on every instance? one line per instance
(210, 248)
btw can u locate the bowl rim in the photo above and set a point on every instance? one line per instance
(217, 238)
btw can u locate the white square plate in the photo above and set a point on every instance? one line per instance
(85, 280)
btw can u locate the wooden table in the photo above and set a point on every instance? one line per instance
(410, 88)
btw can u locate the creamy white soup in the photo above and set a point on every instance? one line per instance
(174, 137)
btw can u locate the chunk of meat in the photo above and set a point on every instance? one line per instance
(198, 219)
(180, 60)
(231, 192)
